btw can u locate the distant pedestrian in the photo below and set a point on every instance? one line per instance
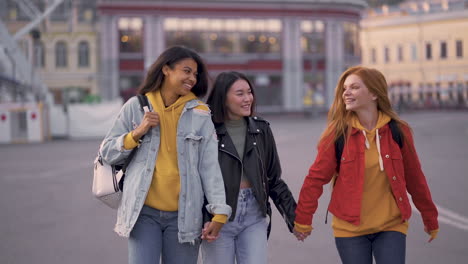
(376, 169)
(176, 166)
(252, 174)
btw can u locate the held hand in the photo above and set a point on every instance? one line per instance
(211, 230)
(301, 236)
(150, 119)
(432, 233)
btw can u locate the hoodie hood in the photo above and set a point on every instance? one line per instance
(382, 120)
(168, 116)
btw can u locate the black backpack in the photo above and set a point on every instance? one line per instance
(396, 135)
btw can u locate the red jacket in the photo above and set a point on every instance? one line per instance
(402, 168)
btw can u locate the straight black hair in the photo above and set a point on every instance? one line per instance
(170, 57)
(217, 97)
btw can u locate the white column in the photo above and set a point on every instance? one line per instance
(334, 57)
(109, 50)
(293, 79)
(154, 40)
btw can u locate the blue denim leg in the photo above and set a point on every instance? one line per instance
(154, 236)
(174, 252)
(242, 241)
(354, 250)
(145, 241)
(387, 247)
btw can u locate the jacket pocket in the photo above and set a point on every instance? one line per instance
(192, 145)
(398, 167)
(348, 168)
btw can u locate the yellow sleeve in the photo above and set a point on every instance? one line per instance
(433, 233)
(302, 228)
(129, 142)
(219, 218)
(203, 107)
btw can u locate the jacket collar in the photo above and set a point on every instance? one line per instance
(381, 130)
(252, 127)
(192, 103)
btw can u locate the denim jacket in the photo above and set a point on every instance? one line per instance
(197, 154)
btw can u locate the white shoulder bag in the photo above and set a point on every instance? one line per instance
(108, 179)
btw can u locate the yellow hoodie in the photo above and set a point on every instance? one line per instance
(165, 186)
(379, 210)
(164, 190)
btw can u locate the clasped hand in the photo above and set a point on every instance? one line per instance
(211, 230)
(301, 236)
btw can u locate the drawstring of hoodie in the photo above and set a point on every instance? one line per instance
(164, 124)
(377, 140)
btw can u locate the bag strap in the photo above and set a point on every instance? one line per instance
(143, 103)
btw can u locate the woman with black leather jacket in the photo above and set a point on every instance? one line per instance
(251, 173)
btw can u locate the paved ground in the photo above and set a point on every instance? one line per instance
(48, 214)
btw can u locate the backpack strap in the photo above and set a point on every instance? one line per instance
(339, 146)
(396, 133)
(143, 99)
(143, 103)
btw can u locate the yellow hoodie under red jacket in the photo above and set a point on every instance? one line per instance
(379, 211)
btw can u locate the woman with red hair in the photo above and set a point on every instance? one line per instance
(373, 168)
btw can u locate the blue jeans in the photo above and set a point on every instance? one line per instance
(243, 240)
(387, 247)
(154, 237)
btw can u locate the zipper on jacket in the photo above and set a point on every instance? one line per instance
(263, 176)
(242, 164)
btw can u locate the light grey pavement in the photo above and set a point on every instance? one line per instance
(48, 214)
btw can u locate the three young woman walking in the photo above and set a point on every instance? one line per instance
(208, 172)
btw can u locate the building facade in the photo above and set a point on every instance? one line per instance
(293, 50)
(65, 55)
(422, 49)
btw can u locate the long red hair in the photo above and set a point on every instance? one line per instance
(339, 117)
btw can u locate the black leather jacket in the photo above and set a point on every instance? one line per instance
(261, 167)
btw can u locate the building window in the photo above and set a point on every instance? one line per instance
(386, 55)
(459, 48)
(351, 39)
(131, 35)
(428, 51)
(61, 54)
(62, 12)
(12, 10)
(400, 53)
(24, 46)
(128, 84)
(373, 56)
(414, 52)
(268, 88)
(86, 11)
(83, 54)
(225, 36)
(40, 55)
(443, 50)
(313, 37)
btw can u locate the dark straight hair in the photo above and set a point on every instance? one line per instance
(217, 97)
(170, 57)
